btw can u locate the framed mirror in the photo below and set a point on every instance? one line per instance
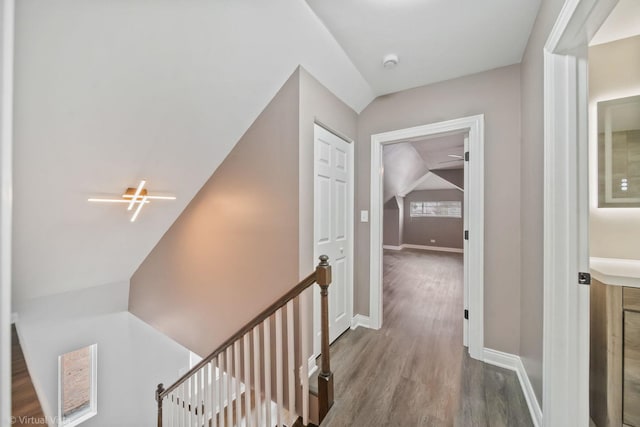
(619, 152)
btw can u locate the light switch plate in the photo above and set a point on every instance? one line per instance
(364, 216)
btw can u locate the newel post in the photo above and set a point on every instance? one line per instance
(325, 378)
(159, 391)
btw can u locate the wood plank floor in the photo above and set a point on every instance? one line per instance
(25, 406)
(415, 371)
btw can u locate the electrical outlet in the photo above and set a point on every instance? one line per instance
(433, 240)
(364, 216)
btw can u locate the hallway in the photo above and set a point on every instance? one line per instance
(415, 371)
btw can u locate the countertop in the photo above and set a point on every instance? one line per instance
(615, 271)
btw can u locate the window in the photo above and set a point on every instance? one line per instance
(451, 209)
(77, 386)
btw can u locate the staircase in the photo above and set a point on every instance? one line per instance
(259, 376)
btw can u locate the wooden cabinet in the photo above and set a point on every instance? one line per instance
(614, 383)
(631, 366)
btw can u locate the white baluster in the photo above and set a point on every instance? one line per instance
(247, 381)
(166, 411)
(267, 372)
(174, 408)
(230, 395)
(303, 304)
(279, 374)
(236, 371)
(213, 394)
(185, 402)
(256, 375)
(175, 418)
(207, 396)
(197, 409)
(221, 388)
(291, 368)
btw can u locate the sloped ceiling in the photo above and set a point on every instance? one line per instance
(435, 40)
(111, 92)
(402, 166)
(431, 181)
(408, 164)
(623, 22)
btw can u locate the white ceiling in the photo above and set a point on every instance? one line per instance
(402, 166)
(437, 151)
(111, 92)
(431, 181)
(435, 40)
(407, 165)
(623, 22)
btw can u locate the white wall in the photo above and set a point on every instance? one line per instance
(132, 356)
(6, 143)
(614, 72)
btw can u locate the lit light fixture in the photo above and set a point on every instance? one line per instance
(134, 196)
(390, 61)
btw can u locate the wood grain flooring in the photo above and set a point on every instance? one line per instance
(25, 406)
(414, 371)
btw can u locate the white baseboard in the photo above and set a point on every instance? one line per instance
(360, 320)
(312, 365)
(14, 318)
(514, 363)
(393, 248)
(432, 248)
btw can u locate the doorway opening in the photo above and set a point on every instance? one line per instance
(614, 208)
(473, 264)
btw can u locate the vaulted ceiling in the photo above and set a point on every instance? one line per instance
(410, 165)
(434, 40)
(111, 92)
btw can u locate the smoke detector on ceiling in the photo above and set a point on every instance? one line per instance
(390, 61)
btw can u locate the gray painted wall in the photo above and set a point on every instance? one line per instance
(531, 194)
(236, 243)
(447, 232)
(614, 72)
(454, 176)
(496, 94)
(392, 223)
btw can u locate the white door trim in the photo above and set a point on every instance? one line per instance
(475, 126)
(6, 186)
(566, 213)
(350, 232)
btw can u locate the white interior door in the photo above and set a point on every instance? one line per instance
(333, 224)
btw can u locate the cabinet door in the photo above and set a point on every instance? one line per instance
(631, 399)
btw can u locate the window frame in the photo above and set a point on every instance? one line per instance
(435, 204)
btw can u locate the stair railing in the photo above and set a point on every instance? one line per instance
(233, 385)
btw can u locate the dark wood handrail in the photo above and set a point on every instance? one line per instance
(320, 276)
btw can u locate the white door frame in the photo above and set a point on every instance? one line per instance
(350, 247)
(6, 186)
(474, 125)
(566, 213)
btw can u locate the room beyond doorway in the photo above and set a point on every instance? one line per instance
(474, 227)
